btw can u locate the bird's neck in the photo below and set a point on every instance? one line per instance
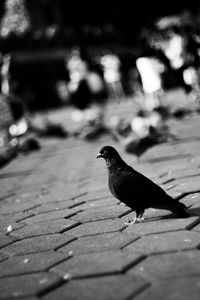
(114, 164)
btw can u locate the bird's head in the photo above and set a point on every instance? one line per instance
(108, 153)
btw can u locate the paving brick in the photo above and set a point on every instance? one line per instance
(164, 225)
(191, 199)
(96, 264)
(97, 227)
(42, 199)
(26, 285)
(169, 266)
(97, 195)
(5, 222)
(65, 213)
(99, 243)
(6, 240)
(97, 187)
(164, 166)
(108, 212)
(3, 256)
(44, 227)
(166, 242)
(197, 226)
(107, 288)
(59, 195)
(177, 193)
(189, 186)
(56, 206)
(29, 263)
(37, 244)
(179, 289)
(98, 203)
(183, 173)
(15, 207)
(189, 182)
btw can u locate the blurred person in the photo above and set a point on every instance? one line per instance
(152, 65)
(5, 75)
(85, 89)
(181, 50)
(174, 49)
(17, 108)
(63, 91)
(112, 75)
(191, 79)
(150, 70)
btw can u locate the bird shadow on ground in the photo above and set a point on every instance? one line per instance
(191, 211)
(195, 211)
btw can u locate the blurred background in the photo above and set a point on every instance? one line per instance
(84, 54)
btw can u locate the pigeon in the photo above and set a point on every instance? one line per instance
(134, 189)
(156, 136)
(28, 145)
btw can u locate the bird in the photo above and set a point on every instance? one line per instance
(156, 136)
(136, 190)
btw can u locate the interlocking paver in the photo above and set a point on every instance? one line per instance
(191, 199)
(98, 243)
(26, 285)
(166, 242)
(197, 227)
(98, 203)
(65, 213)
(107, 212)
(179, 289)
(183, 173)
(17, 207)
(55, 206)
(96, 264)
(169, 266)
(37, 244)
(107, 288)
(164, 225)
(44, 227)
(97, 227)
(5, 222)
(6, 240)
(30, 263)
(3, 256)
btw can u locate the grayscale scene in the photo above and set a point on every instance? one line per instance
(99, 150)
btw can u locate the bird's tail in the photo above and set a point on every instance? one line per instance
(176, 207)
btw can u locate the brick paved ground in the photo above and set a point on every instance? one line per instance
(67, 238)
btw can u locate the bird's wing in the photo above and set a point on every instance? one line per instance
(128, 184)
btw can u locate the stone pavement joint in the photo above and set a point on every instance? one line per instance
(62, 234)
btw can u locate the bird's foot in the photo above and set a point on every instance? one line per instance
(139, 220)
(135, 220)
(129, 222)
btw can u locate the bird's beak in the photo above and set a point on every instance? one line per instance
(99, 155)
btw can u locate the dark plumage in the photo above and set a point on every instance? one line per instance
(134, 189)
(28, 145)
(155, 136)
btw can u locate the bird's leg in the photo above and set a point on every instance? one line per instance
(139, 215)
(129, 222)
(137, 219)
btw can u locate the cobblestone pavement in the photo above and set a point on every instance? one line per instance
(63, 235)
